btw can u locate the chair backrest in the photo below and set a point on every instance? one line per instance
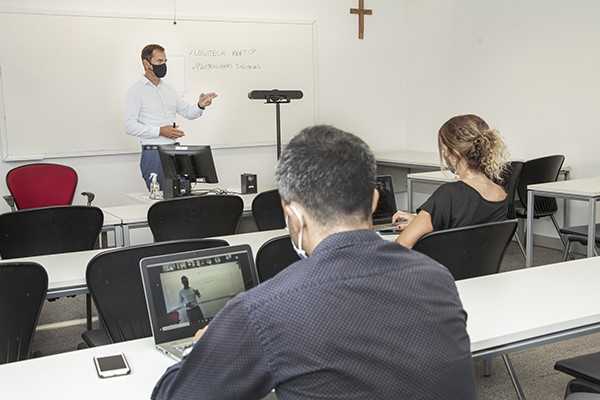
(115, 283)
(510, 180)
(540, 170)
(267, 211)
(274, 256)
(470, 251)
(42, 185)
(195, 217)
(50, 230)
(23, 288)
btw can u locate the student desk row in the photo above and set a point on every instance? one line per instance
(66, 271)
(134, 216)
(506, 312)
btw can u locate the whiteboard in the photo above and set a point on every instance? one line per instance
(64, 78)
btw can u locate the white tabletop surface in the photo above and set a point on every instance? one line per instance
(73, 375)
(503, 309)
(130, 213)
(68, 269)
(65, 269)
(407, 157)
(513, 306)
(586, 187)
(110, 219)
(144, 198)
(434, 176)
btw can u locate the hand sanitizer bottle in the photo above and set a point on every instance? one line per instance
(155, 193)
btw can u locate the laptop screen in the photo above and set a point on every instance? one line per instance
(386, 207)
(185, 291)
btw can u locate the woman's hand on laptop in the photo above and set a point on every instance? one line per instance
(401, 219)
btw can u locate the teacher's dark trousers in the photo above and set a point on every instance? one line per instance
(150, 163)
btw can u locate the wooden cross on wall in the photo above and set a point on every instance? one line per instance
(361, 11)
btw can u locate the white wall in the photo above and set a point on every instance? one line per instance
(532, 68)
(358, 80)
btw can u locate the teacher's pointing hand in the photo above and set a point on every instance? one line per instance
(205, 100)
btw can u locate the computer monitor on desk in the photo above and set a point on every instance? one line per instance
(183, 165)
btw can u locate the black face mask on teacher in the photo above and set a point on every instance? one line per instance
(159, 70)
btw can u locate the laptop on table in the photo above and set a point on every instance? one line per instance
(386, 207)
(184, 291)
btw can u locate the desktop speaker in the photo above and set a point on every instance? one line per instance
(249, 184)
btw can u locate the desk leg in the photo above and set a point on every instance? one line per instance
(591, 228)
(410, 195)
(513, 377)
(126, 238)
(566, 204)
(119, 236)
(529, 235)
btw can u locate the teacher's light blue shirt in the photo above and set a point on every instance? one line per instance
(149, 107)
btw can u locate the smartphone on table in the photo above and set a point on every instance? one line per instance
(109, 366)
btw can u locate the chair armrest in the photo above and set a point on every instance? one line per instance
(586, 367)
(10, 201)
(90, 197)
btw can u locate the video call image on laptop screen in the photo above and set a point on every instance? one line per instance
(193, 291)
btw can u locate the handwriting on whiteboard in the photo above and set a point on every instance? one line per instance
(215, 59)
(241, 52)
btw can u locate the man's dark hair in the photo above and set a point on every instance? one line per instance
(331, 173)
(149, 49)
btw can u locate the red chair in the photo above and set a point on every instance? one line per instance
(42, 185)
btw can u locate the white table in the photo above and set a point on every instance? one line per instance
(506, 312)
(111, 223)
(576, 189)
(519, 309)
(72, 376)
(144, 197)
(66, 271)
(409, 159)
(134, 216)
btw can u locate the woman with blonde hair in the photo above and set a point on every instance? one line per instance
(477, 155)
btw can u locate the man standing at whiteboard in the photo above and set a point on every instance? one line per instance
(151, 108)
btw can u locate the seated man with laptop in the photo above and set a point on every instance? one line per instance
(357, 317)
(220, 273)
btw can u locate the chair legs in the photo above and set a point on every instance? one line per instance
(513, 377)
(521, 247)
(562, 239)
(88, 311)
(487, 367)
(567, 251)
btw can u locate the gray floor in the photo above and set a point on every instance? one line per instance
(534, 367)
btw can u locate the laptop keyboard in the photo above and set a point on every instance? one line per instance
(183, 346)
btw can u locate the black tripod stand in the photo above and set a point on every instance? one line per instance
(276, 97)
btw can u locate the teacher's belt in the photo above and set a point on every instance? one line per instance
(153, 146)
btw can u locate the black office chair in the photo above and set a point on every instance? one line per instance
(510, 181)
(49, 230)
(267, 211)
(578, 234)
(539, 170)
(586, 371)
(471, 251)
(195, 217)
(23, 288)
(115, 283)
(274, 256)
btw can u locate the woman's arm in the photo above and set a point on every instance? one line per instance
(415, 230)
